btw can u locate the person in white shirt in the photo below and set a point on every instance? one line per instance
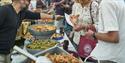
(111, 32)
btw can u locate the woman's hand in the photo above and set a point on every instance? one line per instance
(89, 34)
(91, 27)
(79, 27)
(74, 19)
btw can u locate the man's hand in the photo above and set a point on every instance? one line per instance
(37, 10)
(44, 15)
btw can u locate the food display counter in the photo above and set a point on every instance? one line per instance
(44, 32)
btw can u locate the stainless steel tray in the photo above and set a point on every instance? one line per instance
(54, 50)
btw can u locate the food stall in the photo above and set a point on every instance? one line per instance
(45, 38)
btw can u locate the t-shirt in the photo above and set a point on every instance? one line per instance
(9, 23)
(111, 18)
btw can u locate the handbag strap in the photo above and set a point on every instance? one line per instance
(90, 57)
(91, 13)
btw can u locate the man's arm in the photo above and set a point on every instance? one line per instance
(31, 15)
(112, 37)
(110, 23)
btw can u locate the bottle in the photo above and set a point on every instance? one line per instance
(65, 45)
(62, 30)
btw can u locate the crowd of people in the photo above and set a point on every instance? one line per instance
(105, 16)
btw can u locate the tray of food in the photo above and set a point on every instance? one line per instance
(58, 55)
(40, 45)
(42, 29)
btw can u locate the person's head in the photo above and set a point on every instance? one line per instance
(83, 2)
(22, 3)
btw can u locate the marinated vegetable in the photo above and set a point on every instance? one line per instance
(42, 44)
(43, 28)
